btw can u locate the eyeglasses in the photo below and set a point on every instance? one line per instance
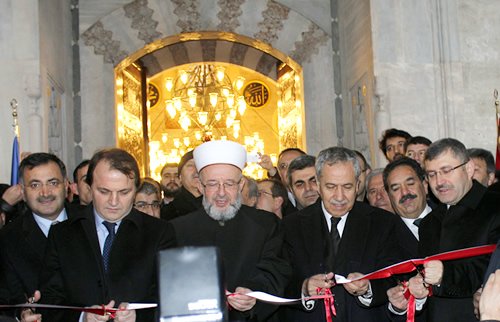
(144, 205)
(213, 186)
(37, 186)
(261, 192)
(444, 171)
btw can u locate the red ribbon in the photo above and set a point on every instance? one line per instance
(411, 264)
(329, 307)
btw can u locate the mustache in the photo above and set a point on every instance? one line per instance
(446, 186)
(407, 197)
(43, 199)
(338, 203)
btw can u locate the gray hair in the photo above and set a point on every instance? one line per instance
(456, 148)
(253, 189)
(335, 155)
(148, 188)
(371, 175)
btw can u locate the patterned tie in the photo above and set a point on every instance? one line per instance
(110, 226)
(334, 234)
(417, 222)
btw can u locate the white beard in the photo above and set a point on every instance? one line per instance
(223, 215)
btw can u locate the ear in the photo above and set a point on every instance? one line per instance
(74, 188)
(2, 218)
(242, 183)
(200, 187)
(469, 167)
(66, 184)
(278, 201)
(253, 201)
(426, 187)
(491, 179)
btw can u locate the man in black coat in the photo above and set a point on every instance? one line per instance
(189, 197)
(250, 240)
(469, 216)
(22, 242)
(407, 190)
(339, 235)
(106, 254)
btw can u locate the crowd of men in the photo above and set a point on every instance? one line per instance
(94, 242)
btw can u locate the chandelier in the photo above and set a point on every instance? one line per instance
(203, 100)
(202, 104)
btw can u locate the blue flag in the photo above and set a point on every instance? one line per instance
(14, 178)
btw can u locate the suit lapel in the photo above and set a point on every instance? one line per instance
(312, 225)
(34, 236)
(354, 239)
(88, 224)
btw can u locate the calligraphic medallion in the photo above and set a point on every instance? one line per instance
(153, 95)
(256, 94)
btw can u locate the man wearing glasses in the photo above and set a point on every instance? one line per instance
(468, 217)
(272, 196)
(249, 240)
(147, 199)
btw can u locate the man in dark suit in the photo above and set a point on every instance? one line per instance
(341, 235)
(189, 197)
(469, 216)
(407, 189)
(250, 240)
(106, 254)
(22, 242)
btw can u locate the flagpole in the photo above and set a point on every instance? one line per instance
(497, 108)
(14, 175)
(15, 126)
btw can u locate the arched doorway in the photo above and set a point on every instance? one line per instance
(151, 129)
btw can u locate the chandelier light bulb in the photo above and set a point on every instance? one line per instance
(239, 81)
(218, 116)
(190, 92)
(177, 143)
(225, 92)
(233, 113)
(170, 108)
(184, 77)
(202, 117)
(213, 99)
(197, 134)
(164, 137)
(192, 99)
(186, 141)
(177, 103)
(241, 105)
(230, 100)
(220, 73)
(169, 83)
(223, 138)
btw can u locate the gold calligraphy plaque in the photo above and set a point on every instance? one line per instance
(256, 94)
(154, 95)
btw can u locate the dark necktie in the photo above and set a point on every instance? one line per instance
(110, 226)
(417, 222)
(334, 234)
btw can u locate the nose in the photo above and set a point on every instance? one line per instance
(404, 190)
(338, 194)
(308, 186)
(45, 191)
(439, 178)
(379, 194)
(221, 191)
(113, 199)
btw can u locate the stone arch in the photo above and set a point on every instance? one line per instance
(140, 23)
